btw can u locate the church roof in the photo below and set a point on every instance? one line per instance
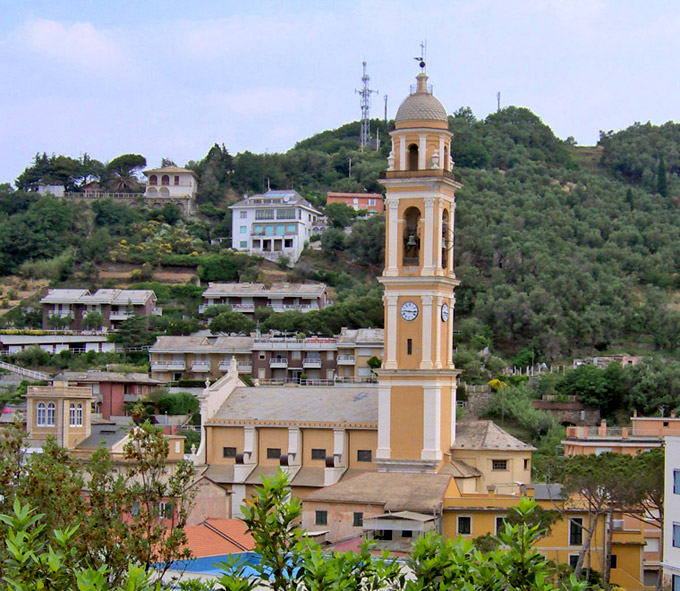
(321, 405)
(486, 435)
(421, 105)
(396, 491)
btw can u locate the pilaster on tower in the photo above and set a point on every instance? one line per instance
(417, 401)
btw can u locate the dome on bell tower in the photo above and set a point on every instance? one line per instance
(421, 105)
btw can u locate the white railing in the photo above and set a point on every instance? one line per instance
(245, 367)
(279, 362)
(200, 366)
(168, 365)
(346, 359)
(314, 362)
(27, 373)
(338, 381)
(119, 315)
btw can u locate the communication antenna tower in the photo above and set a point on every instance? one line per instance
(365, 94)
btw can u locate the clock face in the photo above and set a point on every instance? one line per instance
(445, 312)
(409, 311)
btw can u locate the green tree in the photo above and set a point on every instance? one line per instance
(340, 215)
(133, 333)
(121, 173)
(93, 320)
(36, 561)
(155, 505)
(232, 322)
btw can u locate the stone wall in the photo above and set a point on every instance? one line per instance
(478, 400)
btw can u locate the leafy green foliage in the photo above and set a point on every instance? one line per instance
(51, 483)
(232, 322)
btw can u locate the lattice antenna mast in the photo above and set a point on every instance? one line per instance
(365, 94)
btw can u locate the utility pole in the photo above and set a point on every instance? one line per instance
(385, 111)
(365, 94)
(498, 98)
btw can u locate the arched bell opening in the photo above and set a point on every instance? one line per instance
(411, 237)
(413, 157)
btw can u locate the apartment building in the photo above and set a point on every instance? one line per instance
(114, 305)
(372, 203)
(268, 358)
(273, 225)
(198, 357)
(281, 297)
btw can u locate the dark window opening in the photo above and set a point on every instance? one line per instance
(409, 346)
(318, 454)
(407, 533)
(576, 531)
(464, 525)
(273, 453)
(358, 520)
(413, 157)
(411, 237)
(321, 518)
(383, 534)
(612, 561)
(228, 452)
(364, 455)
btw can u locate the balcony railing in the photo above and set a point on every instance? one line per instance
(278, 363)
(120, 315)
(346, 360)
(338, 381)
(200, 366)
(245, 367)
(311, 362)
(168, 365)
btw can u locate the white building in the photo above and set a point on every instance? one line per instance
(171, 184)
(671, 515)
(274, 225)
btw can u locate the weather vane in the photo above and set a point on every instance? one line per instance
(423, 55)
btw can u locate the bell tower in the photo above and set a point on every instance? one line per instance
(417, 385)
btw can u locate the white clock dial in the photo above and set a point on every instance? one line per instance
(445, 312)
(409, 311)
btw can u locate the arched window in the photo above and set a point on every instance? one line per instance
(75, 415)
(153, 179)
(165, 192)
(413, 157)
(411, 237)
(165, 180)
(152, 192)
(51, 412)
(447, 239)
(41, 413)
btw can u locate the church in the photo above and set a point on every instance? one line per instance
(392, 461)
(403, 430)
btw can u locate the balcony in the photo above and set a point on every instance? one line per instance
(278, 363)
(200, 366)
(311, 362)
(119, 315)
(346, 360)
(245, 367)
(168, 365)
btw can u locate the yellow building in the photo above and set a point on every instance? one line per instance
(470, 516)
(61, 411)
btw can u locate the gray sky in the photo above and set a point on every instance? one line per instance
(172, 78)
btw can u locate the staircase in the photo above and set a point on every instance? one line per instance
(36, 376)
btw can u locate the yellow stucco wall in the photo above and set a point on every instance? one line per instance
(406, 421)
(223, 436)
